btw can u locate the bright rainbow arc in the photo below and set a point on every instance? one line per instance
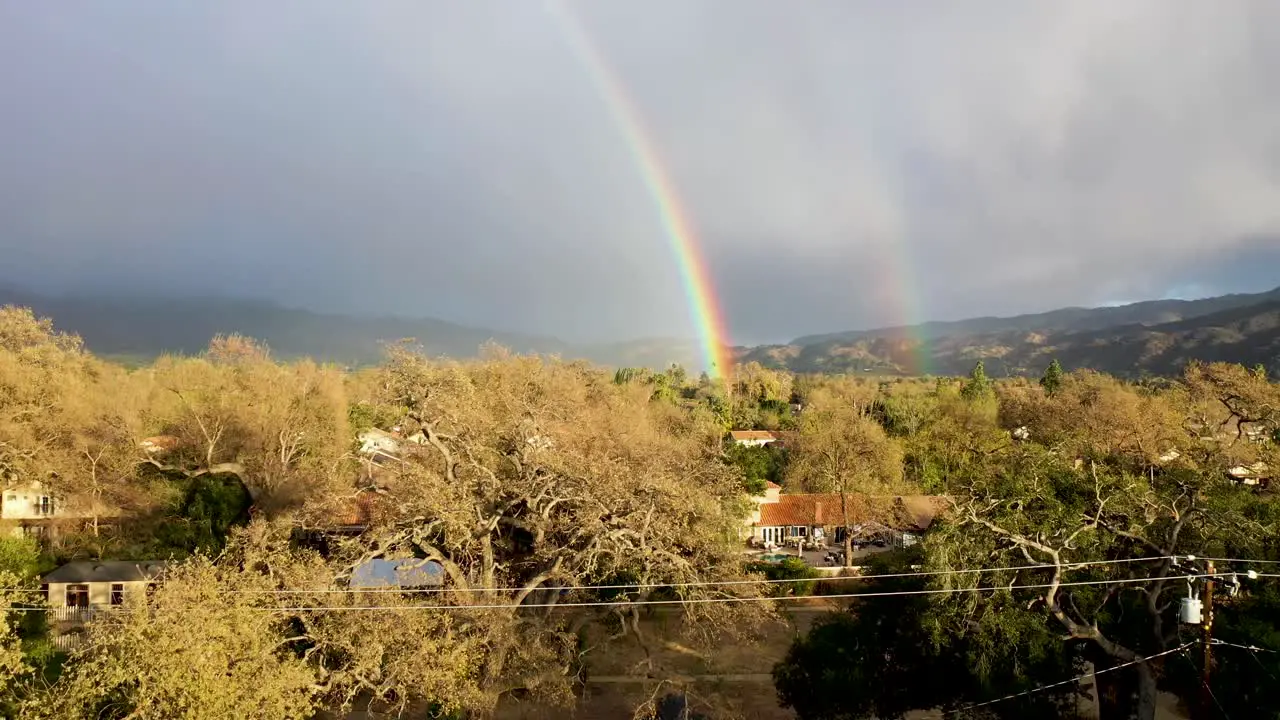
(704, 312)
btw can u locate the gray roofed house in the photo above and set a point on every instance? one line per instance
(112, 571)
(78, 591)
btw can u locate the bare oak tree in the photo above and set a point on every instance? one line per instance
(535, 484)
(843, 451)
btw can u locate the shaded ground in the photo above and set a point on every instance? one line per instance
(734, 681)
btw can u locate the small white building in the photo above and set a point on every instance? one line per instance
(379, 444)
(1256, 474)
(382, 446)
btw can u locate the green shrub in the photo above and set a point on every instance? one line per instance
(792, 568)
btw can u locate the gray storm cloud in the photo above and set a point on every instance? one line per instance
(846, 164)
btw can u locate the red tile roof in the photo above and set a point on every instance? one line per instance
(351, 511)
(771, 485)
(752, 435)
(159, 443)
(903, 512)
(790, 510)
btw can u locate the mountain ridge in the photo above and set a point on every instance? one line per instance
(1059, 318)
(1243, 328)
(1153, 336)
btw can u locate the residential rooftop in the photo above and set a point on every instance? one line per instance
(90, 571)
(752, 435)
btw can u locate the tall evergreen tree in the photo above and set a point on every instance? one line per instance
(1052, 379)
(978, 385)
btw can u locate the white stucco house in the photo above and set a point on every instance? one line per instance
(34, 510)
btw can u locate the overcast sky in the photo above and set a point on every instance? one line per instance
(845, 164)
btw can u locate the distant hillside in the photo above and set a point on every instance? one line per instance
(138, 329)
(1150, 312)
(147, 327)
(1127, 340)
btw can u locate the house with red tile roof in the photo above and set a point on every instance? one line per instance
(752, 438)
(820, 517)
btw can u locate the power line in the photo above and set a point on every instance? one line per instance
(701, 583)
(1253, 653)
(1072, 680)
(1205, 684)
(785, 598)
(686, 601)
(1249, 647)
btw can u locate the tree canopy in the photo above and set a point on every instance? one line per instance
(559, 502)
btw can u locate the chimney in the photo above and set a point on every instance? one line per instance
(817, 513)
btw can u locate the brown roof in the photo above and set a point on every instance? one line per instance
(789, 510)
(771, 485)
(351, 511)
(752, 435)
(157, 443)
(904, 512)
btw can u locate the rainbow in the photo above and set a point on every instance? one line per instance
(902, 270)
(704, 312)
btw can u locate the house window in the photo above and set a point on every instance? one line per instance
(117, 593)
(46, 505)
(78, 596)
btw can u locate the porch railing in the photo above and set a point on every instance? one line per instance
(74, 615)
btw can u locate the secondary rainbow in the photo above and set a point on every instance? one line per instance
(912, 328)
(708, 321)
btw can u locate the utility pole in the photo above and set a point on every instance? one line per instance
(1206, 695)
